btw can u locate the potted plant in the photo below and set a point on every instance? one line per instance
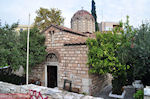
(118, 83)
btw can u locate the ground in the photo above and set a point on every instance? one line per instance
(105, 93)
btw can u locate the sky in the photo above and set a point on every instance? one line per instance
(12, 11)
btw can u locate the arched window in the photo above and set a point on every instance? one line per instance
(51, 58)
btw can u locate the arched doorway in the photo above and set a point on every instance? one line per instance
(51, 70)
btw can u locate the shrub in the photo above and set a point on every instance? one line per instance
(139, 94)
(7, 76)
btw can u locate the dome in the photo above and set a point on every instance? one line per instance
(83, 21)
(82, 14)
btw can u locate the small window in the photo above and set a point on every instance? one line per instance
(52, 36)
(51, 32)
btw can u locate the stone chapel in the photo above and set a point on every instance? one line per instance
(67, 57)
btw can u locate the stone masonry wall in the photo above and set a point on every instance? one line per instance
(38, 73)
(74, 64)
(72, 61)
(99, 82)
(83, 25)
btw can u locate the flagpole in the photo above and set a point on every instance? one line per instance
(27, 68)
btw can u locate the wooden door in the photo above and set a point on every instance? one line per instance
(51, 76)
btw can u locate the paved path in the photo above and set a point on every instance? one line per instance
(129, 93)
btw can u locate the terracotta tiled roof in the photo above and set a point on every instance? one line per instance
(90, 35)
(80, 40)
(65, 29)
(82, 13)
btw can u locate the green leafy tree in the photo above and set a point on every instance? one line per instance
(106, 53)
(102, 54)
(141, 53)
(124, 51)
(37, 48)
(9, 53)
(102, 58)
(45, 17)
(93, 11)
(135, 53)
(13, 47)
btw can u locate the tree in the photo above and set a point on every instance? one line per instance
(135, 53)
(141, 53)
(125, 50)
(13, 47)
(93, 11)
(9, 45)
(45, 17)
(37, 53)
(104, 56)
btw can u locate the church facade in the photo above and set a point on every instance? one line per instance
(66, 63)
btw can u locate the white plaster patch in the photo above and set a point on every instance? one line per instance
(85, 85)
